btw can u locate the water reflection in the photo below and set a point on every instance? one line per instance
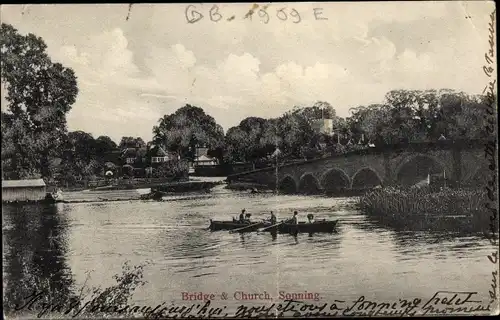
(35, 251)
(454, 225)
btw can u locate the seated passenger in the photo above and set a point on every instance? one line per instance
(242, 216)
(294, 219)
(273, 218)
(310, 218)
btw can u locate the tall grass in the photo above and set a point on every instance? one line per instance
(417, 202)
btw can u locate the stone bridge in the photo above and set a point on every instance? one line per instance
(459, 163)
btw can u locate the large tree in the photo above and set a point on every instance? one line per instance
(39, 94)
(253, 139)
(413, 116)
(131, 142)
(104, 144)
(320, 110)
(189, 127)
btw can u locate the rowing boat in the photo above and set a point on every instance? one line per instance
(304, 227)
(233, 225)
(301, 227)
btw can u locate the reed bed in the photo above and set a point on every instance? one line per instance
(399, 203)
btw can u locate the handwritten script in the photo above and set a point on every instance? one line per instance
(440, 303)
(490, 152)
(263, 13)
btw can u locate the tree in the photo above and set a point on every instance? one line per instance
(320, 110)
(39, 94)
(131, 142)
(189, 127)
(104, 144)
(254, 138)
(413, 116)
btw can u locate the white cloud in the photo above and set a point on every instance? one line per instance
(130, 73)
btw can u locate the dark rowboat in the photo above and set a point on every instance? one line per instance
(303, 227)
(233, 225)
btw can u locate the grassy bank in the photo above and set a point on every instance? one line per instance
(421, 208)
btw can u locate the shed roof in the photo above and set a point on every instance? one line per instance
(23, 183)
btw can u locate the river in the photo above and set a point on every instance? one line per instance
(72, 244)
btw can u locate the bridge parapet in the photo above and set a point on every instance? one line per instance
(384, 165)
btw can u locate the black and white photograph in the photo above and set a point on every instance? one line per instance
(249, 160)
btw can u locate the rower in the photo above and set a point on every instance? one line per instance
(242, 216)
(310, 218)
(294, 220)
(247, 217)
(273, 218)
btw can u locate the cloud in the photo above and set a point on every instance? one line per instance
(130, 73)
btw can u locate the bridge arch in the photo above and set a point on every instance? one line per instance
(366, 178)
(288, 185)
(335, 179)
(415, 168)
(309, 184)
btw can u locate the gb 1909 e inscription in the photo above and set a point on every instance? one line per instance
(249, 160)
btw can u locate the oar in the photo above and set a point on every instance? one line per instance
(274, 225)
(245, 227)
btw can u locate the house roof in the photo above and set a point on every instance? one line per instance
(129, 152)
(159, 152)
(133, 152)
(23, 183)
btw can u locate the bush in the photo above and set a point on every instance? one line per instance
(175, 168)
(58, 301)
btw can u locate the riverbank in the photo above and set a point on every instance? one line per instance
(110, 194)
(241, 186)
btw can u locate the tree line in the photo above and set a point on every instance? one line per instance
(40, 93)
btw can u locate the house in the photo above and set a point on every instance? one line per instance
(23, 190)
(159, 155)
(205, 161)
(133, 156)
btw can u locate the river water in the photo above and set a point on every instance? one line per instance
(72, 244)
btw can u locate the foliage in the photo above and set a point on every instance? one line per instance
(173, 168)
(104, 144)
(412, 115)
(320, 110)
(186, 129)
(126, 283)
(39, 94)
(131, 142)
(252, 139)
(116, 296)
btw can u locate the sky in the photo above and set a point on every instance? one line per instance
(136, 64)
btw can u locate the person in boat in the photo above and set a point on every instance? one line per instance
(242, 216)
(310, 218)
(273, 218)
(247, 217)
(294, 219)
